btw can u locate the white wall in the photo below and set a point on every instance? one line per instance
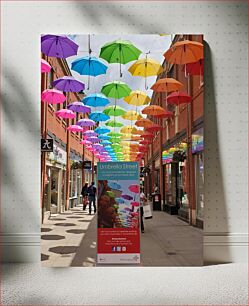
(224, 25)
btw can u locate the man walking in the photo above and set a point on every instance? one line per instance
(92, 197)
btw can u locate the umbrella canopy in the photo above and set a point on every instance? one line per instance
(93, 139)
(145, 141)
(85, 142)
(102, 130)
(196, 68)
(145, 67)
(178, 98)
(79, 107)
(184, 52)
(134, 188)
(65, 114)
(89, 66)
(53, 96)
(106, 142)
(135, 204)
(120, 200)
(110, 194)
(98, 116)
(127, 197)
(58, 46)
(128, 129)
(164, 114)
(131, 115)
(114, 185)
(45, 67)
(96, 100)
(114, 123)
(85, 122)
(104, 137)
(153, 110)
(154, 128)
(116, 89)
(114, 111)
(90, 133)
(144, 122)
(166, 85)
(75, 128)
(137, 98)
(147, 135)
(68, 84)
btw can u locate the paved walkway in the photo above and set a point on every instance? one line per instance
(69, 239)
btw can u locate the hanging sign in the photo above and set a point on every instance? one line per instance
(46, 145)
(87, 164)
(118, 213)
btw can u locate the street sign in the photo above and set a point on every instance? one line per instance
(46, 145)
(87, 164)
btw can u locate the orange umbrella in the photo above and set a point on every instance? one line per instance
(153, 110)
(166, 85)
(154, 128)
(143, 122)
(165, 114)
(184, 52)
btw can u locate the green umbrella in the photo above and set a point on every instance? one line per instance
(114, 123)
(115, 139)
(114, 111)
(110, 194)
(116, 90)
(119, 51)
(114, 134)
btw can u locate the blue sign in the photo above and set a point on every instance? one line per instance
(118, 171)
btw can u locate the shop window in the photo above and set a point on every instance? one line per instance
(73, 183)
(199, 175)
(183, 185)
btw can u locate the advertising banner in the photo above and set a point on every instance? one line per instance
(118, 213)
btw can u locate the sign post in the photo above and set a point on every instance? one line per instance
(118, 213)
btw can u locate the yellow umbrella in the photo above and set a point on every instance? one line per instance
(137, 98)
(127, 129)
(131, 115)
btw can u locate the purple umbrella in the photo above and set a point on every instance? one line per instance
(79, 107)
(90, 133)
(68, 84)
(97, 146)
(85, 122)
(93, 139)
(126, 197)
(58, 46)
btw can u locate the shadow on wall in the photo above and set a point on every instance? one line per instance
(215, 213)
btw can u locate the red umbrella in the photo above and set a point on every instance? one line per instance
(178, 98)
(196, 68)
(165, 114)
(154, 128)
(134, 188)
(147, 135)
(133, 203)
(143, 149)
(145, 142)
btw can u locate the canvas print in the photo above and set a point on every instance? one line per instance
(122, 150)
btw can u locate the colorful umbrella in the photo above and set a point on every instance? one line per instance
(90, 133)
(134, 188)
(114, 111)
(127, 197)
(166, 85)
(65, 114)
(104, 137)
(114, 185)
(110, 194)
(154, 128)
(52, 96)
(96, 100)
(144, 122)
(120, 200)
(127, 129)
(137, 98)
(196, 68)
(153, 110)
(75, 128)
(106, 142)
(85, 122)
(131, 115)
(102, 130)
(178, 98)
(89, 66)
(119, 51)
(93, 139)
(45, 67)
(79, 107)
(58, 46)
(135, 204)
(98, 116)
(184, 52)
(113, 123)
(148, 135)
(68, 84)
(116, 90)
(85, 142)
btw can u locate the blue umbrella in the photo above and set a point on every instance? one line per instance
(104, 137)
(105, 142)
(102, 130)
(89, 66)
(119, 200)
(114, 185)
(98, 116)
(96, 100)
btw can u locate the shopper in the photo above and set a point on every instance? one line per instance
(142, 201)
(84, 195)
(92, 197)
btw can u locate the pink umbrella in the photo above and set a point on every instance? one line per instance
(75, 128)
(134, 188)
(135, 203)
(45, 67)
(53, 96)
(65, 114)
(85, 142)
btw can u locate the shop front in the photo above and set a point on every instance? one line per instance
(75, 180)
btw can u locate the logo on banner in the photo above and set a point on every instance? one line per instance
(46, 145)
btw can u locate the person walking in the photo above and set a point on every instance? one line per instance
(142, 200)
(84, 194)
(92, 197)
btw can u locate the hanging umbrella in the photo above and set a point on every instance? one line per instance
(154, 128)
(144, 122)
(114, 111)
(102, 130)
(98, 116)
(114, 134)
(145, 67)
(116, 90)
(137, 98)
(79, 107)
(178, 98)
(114, 185)
(166, 85)
(148, 135)
(119, 51)
(164, 114)
(126, 197)
(90, 133)
(85, 142)
(45, 67)
(120, 200)
(96, 100)
(93, 139)
(135, 204)
(134, 188)
(184, 52)
(85, 122)
(104, 137)
(128, 129)
(106, 142)
(68, 84)
(153, 110)
(65, 114)
(113, 123)
(196, 68)
(131, 115)
(74, 128)
(58, 46)
(53, 96)
(110, 194)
